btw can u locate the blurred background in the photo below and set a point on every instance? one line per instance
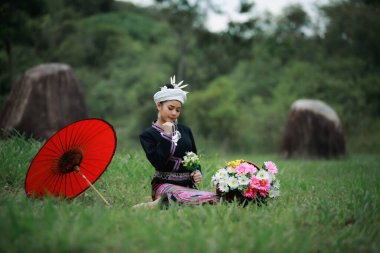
(245, 65)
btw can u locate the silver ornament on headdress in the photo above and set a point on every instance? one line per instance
(175, 93)
(175, 85)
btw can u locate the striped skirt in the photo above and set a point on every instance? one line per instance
(170, 193)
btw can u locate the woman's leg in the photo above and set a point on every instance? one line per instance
(151, 204)
(183, 195)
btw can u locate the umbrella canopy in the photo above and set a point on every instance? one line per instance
(72, 159)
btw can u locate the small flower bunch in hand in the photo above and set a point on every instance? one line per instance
(245, 181)
(191, 161)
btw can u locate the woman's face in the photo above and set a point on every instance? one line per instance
(169, 110)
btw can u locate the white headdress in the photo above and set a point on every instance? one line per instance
(176, 93)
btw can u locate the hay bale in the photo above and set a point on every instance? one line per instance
(45, 99)
(313, 130)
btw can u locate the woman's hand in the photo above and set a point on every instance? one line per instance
(197, 176)
(168, 127)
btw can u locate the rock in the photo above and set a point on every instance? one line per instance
(313, 130)
(44, 100)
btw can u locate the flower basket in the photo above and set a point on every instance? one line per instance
(230, 196)
(245, 182)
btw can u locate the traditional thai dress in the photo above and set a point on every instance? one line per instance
(172, 181)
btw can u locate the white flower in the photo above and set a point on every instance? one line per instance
(221, 173)
(223, 180)
(263, 175)
(276, 184)
(233, 182)
(220, 177)
(230, 170)
(273, 193)
(243, 180)
(223, 187)
(214, 180)
(190, 160)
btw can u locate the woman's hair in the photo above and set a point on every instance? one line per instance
(169, 86)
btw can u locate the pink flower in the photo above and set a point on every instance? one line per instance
(240, 169)
(263, 185)
(271, 167)
(263, 193)
(251, 169)
(255, 182)
(250, 192)
(245, 168)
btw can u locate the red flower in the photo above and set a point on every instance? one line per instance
(263, 193)
(250, 192)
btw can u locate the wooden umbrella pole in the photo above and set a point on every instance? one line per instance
(76, 168)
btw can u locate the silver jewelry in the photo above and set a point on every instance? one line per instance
(176, 136)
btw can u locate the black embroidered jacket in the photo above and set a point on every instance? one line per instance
(165, 152)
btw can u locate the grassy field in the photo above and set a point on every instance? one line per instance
(325, 206)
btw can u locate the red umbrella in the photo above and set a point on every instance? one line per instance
(72, 160)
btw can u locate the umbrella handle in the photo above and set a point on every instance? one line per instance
(76, 168)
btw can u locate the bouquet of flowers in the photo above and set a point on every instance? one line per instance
(191, 161)
(245, 181)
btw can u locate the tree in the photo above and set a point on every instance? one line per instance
(214, 112)
(183, 16)
(14, 25)
(90, 7)
(352, 29)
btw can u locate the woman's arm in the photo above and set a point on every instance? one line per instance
(157, 150)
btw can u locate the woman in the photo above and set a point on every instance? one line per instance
(165, 144)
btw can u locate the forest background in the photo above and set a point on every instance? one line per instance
(242, 80)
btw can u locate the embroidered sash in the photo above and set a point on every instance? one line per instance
(174, 176)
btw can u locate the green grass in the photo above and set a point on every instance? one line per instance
(325, 206)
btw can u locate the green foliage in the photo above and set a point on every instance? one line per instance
(324, 206)
(16, 27)
(90, 7)
(15, 156)
(352, 30)
(214, 112)
(15, 16)
(293, 19)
